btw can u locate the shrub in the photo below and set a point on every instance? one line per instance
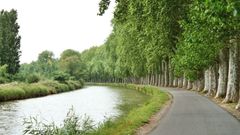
(35, 90)
(4, 75)
(11, 93)
(61, 76)
(3, 80)
(33, 78)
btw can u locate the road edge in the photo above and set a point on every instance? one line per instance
(226, 107)
(156, 118)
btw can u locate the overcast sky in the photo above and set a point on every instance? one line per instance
(57, 25)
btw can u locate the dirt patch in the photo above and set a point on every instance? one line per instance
(155, 119)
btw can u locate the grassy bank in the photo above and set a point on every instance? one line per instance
(126, 124)
(15, 91)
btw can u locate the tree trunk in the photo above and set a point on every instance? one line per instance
(171, 76)
(223, 73)
(166, 74)
(180, 82)
(175, 82)
(189, 85)
(152, 79)
(149, 79)
(159, 79)
(156, 79)
(194, 86)
(238, 105)
(206, 81)
(213, 81)
(163, 74)
(200, 84)
(185, 81)
(233, 84)
(160, 75)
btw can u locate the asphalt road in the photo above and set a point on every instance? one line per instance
(193, 114)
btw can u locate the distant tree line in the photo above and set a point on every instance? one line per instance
(47, 67)
(192, 44)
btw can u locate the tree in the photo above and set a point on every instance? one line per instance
(46, 63)
(71, 63)
(9, 41)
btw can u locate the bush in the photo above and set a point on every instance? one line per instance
(4, 75)
(33, 78)
(74, 84)
(35, 90)
(3, 80)
(61, 76)
(11, 93)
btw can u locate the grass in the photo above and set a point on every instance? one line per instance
(16, 91)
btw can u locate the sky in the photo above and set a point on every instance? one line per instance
(57, 25)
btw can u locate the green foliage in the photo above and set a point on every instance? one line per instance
(46, 66)
(69, 67)
(61, 76)
(208, 27)
(103, 6)
(4, 76)
(9, 41)
(71, 63)
(146, 33)
(33, 78)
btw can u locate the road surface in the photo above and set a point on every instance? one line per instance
(193, 114)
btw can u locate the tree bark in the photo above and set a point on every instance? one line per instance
(238, 105)
(213, 81)
(159, 79)
(185, 81)
(223, 73)
(180, 82)
(152, 79)
(189, 85)
(194, 86)
(163, 74)
(171, 76)
(149, 79)
(156, 79)
(175, 82)
(200, 84)
(206, 81)
(232, 94)
(166, 74)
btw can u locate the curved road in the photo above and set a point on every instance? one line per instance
(193, 114)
